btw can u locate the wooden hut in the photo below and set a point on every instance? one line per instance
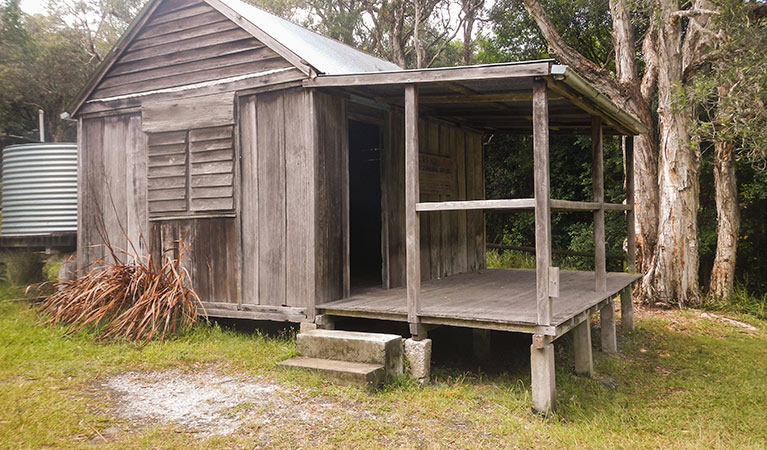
(310, 178)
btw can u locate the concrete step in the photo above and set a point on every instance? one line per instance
(353, 346)
(341, 372)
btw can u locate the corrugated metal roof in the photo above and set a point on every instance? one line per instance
(324, 54)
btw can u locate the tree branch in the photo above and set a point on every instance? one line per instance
(596, 75)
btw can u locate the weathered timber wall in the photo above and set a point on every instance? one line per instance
(185, 42)
(207, 253)
(112, 186)
(277, 198)
(331, 254)
(451, 241)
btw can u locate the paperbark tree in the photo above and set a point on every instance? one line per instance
(675, 45)
(673, 273)
(727, 220)
(630, 91)
(729, 95)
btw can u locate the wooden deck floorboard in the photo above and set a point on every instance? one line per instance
(502, 296)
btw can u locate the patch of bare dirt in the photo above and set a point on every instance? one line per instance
(209, 403)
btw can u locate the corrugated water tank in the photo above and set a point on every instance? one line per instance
(39, 189)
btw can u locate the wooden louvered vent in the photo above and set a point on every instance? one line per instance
(191, 171)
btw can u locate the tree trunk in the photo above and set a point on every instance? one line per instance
(727, 220)
(630, 92)
(395, 25)
(470, 8)
(673, 272)
(645, 146)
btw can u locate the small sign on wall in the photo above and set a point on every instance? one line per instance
(436, 175)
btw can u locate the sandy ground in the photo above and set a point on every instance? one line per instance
(208, 403)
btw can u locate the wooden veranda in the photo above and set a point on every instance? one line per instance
(535, 98)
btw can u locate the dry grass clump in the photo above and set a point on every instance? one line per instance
(135, 298)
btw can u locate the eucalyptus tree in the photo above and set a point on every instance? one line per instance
(729, 94)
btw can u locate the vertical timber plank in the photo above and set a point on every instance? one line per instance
(435, 219)
(300, 205)
(423, 137)
(385, 219)
(598, 188)
(249, 199)
(412, 233)
(461, 252)
(542, 194)
(271, 196)
(446, 217)
(397, 202)
(136, 187)
(329, 230)
(344, 179)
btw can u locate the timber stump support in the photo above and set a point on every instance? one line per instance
(584, 363)
(543, 376)
(481, 343)
(627, 309)
(607, 323)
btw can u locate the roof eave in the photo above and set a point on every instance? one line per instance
(576, 82)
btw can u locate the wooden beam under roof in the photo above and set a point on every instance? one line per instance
(444, 74)
(470, 98)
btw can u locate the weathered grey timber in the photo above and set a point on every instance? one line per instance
(542, 191)
(598, 188)
(631, 248)
(584, 364)
(544, 385)
(498, 299)
(412, 233)
(607, 328)
(627, 309)
(219, 134)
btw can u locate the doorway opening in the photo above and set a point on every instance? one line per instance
(365, 261)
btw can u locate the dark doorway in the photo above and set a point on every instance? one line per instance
(365, 263)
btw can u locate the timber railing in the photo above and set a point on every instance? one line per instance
(547, 277)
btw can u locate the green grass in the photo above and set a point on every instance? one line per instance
(510, 259)
(741, 302)
(680, 381)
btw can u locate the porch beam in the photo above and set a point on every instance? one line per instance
(542, 196)
(469, 98)
(517, 203)
(412, 231)
(569, 205)
(598, 187)
(443, 74)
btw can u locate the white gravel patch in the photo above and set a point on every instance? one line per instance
(203, 402)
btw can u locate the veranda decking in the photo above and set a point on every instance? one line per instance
(496, 299)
